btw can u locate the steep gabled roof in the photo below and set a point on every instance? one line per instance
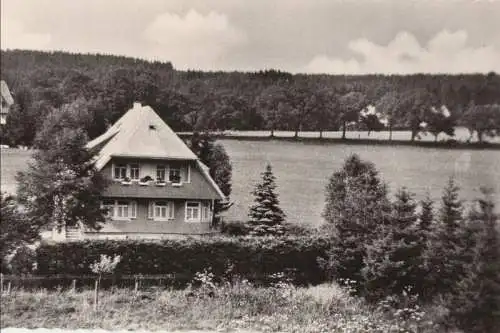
(140, 133)
(5, 92)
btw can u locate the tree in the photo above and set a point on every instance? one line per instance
(388, 105)
(440, 122)
(446, 251)
(356, 205)
(15, 228)
(61, 186)
(476, 305)
(266, 216)
(350, 105)
(393, 260)
(483, 120)
(271, 104)
(215, 157)
(414, 110)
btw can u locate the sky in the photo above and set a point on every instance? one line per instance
(299, 36)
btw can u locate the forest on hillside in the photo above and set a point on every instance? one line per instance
(105, 86)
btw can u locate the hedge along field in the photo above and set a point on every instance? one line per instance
(252, 258)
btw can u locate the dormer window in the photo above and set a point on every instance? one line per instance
(160, 172)
(120, 171)
(175, 175)
(134, 171)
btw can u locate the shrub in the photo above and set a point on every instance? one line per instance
(23, 262)
(251, 258)
(234, 228)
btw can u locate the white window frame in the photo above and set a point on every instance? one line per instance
(159, 169)
(174, 169)
(206, 211)
(168, 206)
(121, 166)
(138, 168)
(113, 209)
(187, 209)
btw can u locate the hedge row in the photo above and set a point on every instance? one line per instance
(251, 258)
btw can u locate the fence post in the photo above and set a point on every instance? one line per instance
(8, 287)
(96, 292)
(73, 286)
(1, 283)
(136, 287)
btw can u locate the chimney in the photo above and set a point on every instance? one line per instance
(137, 105)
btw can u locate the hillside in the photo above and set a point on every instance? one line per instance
(106, 85)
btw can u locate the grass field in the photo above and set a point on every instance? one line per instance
(283, 308)
(302, 170)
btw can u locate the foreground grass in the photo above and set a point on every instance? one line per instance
(325, 308)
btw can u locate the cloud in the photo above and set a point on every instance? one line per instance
(14, 36)
(193, 40)
(446, 52)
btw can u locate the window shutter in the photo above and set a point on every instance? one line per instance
(150, 209)
(133, 209)
(171, 210)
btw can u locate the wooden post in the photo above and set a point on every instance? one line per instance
(8, 287)
(96, 294)
(136, 287)
(73, 286)
(1, 283)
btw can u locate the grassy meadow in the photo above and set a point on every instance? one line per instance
(283, 308)
(303, 168)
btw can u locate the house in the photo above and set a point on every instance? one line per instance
(158, 186)
(6, 102)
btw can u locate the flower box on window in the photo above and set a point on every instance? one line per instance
(144, 181)
(126, 181)
(160, 182)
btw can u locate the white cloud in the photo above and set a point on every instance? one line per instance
(14, 36)
(193, 40)
(446, 52)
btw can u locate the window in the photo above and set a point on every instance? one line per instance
(120, 209)
(161, 210)
(192, 211)
(160, 172)
(175, 175)
(206, 211)
(134, 171)
(120, 171)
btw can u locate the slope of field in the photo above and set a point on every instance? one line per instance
(302, 171)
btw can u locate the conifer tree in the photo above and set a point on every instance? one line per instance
(266, 216)
(356, 206)
(393, 260)
(426, 216)
(445, 255)
(425, 231)
(476, 304)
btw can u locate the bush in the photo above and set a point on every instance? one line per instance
(23, 262)
(234, 228)
(252, 258)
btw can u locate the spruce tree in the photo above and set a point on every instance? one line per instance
(393, 260)
(476, 304)
(425, 231)
(426, 216)
(356, 206)
(266, 216)
(448, 241)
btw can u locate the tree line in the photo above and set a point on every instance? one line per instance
(105, 86)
